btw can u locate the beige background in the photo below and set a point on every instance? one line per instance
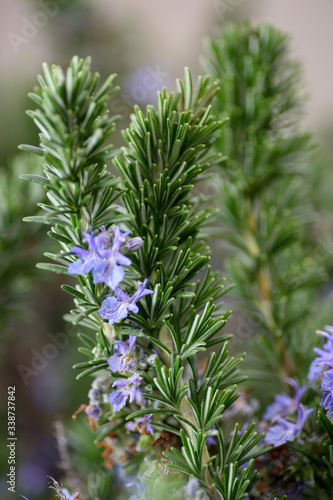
(124, 35)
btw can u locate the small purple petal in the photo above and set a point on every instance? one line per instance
(114, 363)
(132, 393)
(131, 342)
(120, 347)
(150, 429)
(121, 294)
(327, 401)
(80, 252)
(108, 307)
(100, 271)
(142, 291)
(133, 308)
(122, 260)
(284, 430)
(118, 400)
(119, 238)
(115, 277)
(76, 267)
(284, 405)
(119, 313)
(281, 433)
(123, 382)
(302, 416)
(211, 440)
(327, 382)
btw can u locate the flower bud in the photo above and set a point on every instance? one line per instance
(151, 360)
(142, 365)
(94, 394)
(93, 411)
(97, 352)
(101, 384)
(133, 244)
(131, 365)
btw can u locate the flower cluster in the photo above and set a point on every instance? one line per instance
(106, 264)
(128, 357)
(282, 407)
(322, 366)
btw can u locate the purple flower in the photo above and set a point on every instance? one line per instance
(123, 357)
(325, 355)
(115, 309)
(283, 404)
(88, 259)
(327, 387)
(143, 425)
(110, 270)
(105, 263)
(128, 389)
(287, 431)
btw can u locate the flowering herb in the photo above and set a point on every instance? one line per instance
(149, 305)
(264, 200)
(153, 382)
(88, 259)
(128, 389)
(106, 264)
(123, 358)
(284, 430)
(111, 269)
(117, 308)
(283, 404)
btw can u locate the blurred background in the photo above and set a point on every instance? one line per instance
(147, 43)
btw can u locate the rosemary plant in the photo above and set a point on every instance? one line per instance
(266, 217)
(136, 246)
(264, 198)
